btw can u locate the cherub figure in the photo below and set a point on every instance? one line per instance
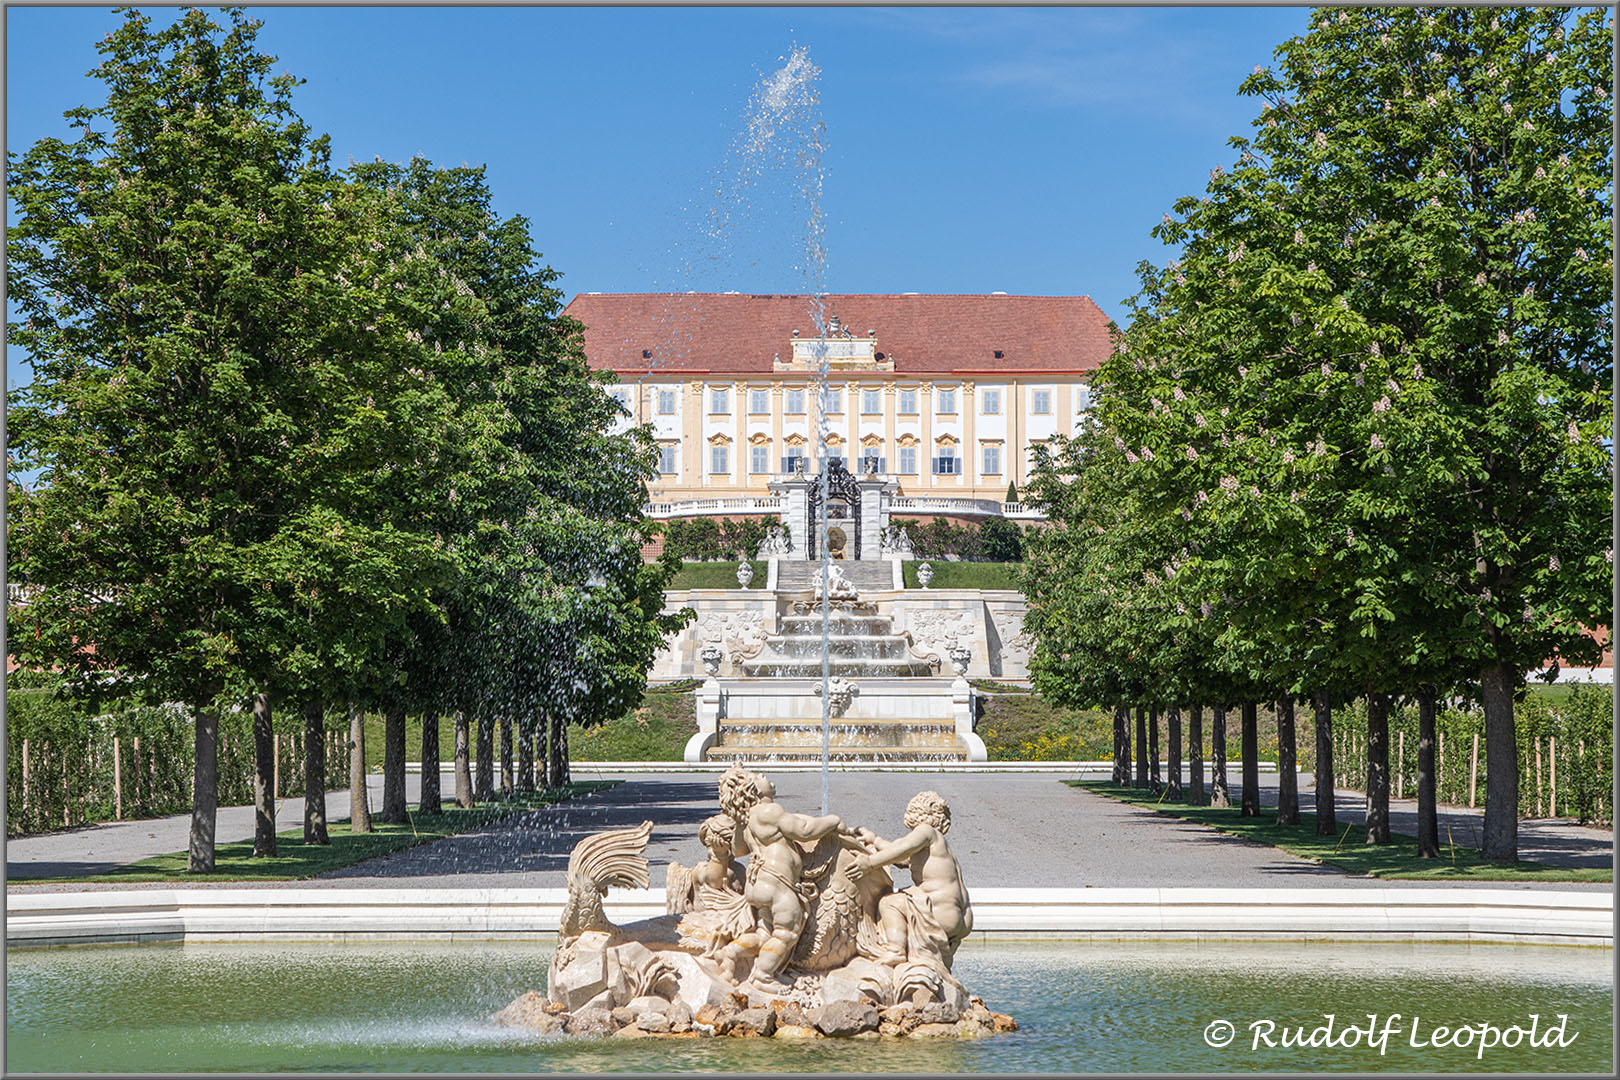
(685, 889)
(922, 925)
(774, 887)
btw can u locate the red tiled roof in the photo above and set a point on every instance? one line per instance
(742, 332)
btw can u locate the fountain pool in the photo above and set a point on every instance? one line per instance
(1082, 1007)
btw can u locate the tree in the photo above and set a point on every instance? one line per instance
(223, 393)
(1374, 382)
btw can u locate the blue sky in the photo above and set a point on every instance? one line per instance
(1028, 150)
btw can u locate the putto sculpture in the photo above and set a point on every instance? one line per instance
(809, 934)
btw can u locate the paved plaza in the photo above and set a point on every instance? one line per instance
(1009, 829)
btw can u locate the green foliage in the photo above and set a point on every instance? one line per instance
(1012, 492)
(71, 777)
(1000, 540)
(709, 539)
(992, 540)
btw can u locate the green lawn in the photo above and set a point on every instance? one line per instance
(1348, 851)
(716, 575)
(294, 860)
(965, 575)
(1023, 727)
(655, 731)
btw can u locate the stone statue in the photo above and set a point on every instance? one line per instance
(921, 926)
(774, 543)
(811, 933)
(771, 835)
(838, 587)
(903, 545)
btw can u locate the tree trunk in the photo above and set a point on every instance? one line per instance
(1155, 781)
(1287, 764)
(1501, 837)
(1377, 768)
(506, 757)
(1219, 795)
(1250, 795)
(393, 799)
(1195, 756)
(430, 763)
(264, 779)
(485, 788)
(557, 753)
(204, 793)
(1142, 776)
(1326, 823)
(359, 804)
(315, 774)
(1173, 788)
(1428, 821)
(525, 777)
(1122, 745)
(464, 788)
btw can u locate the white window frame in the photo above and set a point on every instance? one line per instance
(908, 461)
(990, 451)
(759, 459)
(719, 459)
(666, 457)
(761, 399)
(945, 402)
(719, 401)
(1040, 403)
(621, 397)
(794, 394)
(908, 402)
(832, 401)
(990, 401)
(943, 452)
(871, 402)
(666, 397)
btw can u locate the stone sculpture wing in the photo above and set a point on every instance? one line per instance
(616, 857)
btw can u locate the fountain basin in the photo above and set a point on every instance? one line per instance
(1136, 1007)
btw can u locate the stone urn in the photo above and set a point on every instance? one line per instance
(925, 574)
(711, 655)
(959, 656)
(745, 573)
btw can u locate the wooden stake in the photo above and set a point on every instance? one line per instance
(1439, 767)
(275, 784)
(1552, 776)
(118, 783)
(1473, 770)
(25, 779)
(1400, 763)
(1538, 777)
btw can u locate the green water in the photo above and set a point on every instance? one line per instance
(1121, 1007)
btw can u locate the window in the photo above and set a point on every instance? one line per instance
(1040, 402)
(908, 461)
(869, 461)
(666, 459)
(621, 398)
(992, 459)
(1082, 398)
(947, 401)
(759, 403)
(832, 400)
(666, 403)
(719, 400)
(790, 463)
(990, 402)
(795, 402)
(908, 402)
(871, 402)
(945, 463)
(759, 459)
(719, 459)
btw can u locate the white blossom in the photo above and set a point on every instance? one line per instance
(1553, 564)
(1373, 348)
(1147, 455)
(1229, 484)
(1198, 418)
(1192, 455)
(1288, 457)
(1201, 497)
(1326, 369)
(1479, 278)
(1130, 457)
(1321, 139)
(1393, 386)
(1375, 442)
(1382, 404)
(1574, 433)
(1501, 337)
(1299, 236)
(1178, 394)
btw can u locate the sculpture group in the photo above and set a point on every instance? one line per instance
(791, 914)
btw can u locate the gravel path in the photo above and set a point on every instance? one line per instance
(1008, 829)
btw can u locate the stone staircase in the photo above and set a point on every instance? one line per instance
(798, 575)
(913, 739)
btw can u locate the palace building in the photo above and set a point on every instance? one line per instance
(942, 397)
